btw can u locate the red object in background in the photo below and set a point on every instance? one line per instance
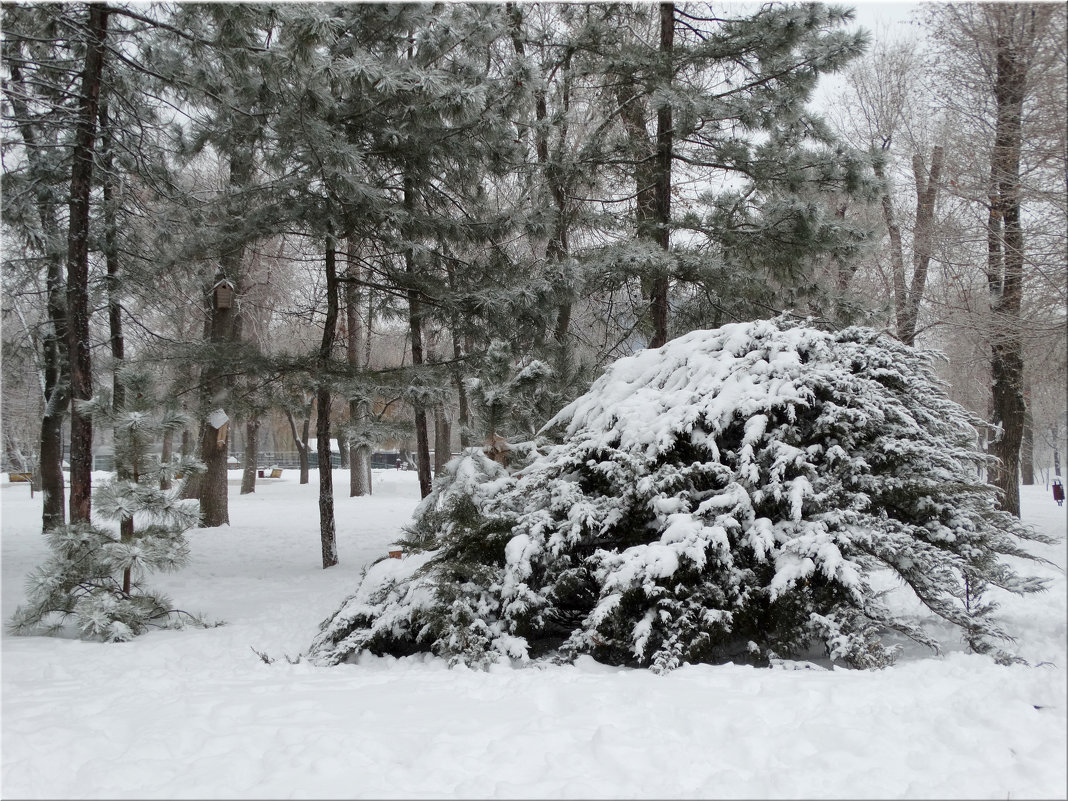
(1058, 492)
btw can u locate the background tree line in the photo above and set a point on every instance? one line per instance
(438, 223)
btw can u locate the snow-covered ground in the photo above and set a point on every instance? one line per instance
(197, 714)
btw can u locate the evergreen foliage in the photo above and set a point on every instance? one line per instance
(736, 495)
(95, 574)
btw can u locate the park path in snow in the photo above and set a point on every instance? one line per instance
(198, 714)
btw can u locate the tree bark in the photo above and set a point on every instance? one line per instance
(1027, 444)
(464, 419)
(122, 441)
(55, 357)
(165, 458)
(252, 448)
(442, 438)
(78, 345)
(658, 300)
(300, 441)
(415, 323)
(1015, 31)
(327, 533)
(359, 449)
(927, 189)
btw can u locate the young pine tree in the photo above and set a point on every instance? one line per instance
(95, 574)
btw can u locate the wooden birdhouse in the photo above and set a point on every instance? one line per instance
(223, 294)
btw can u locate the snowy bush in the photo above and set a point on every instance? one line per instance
(95, 575)
(731, 496)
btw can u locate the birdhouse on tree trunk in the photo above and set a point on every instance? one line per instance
(221, 423)
(223, 293)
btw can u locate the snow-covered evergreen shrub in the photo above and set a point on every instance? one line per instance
(95, 574)
(728, 497)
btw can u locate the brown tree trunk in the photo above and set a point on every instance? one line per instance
(224, 329)
(658, 299)
(327, 533)
(652, 161)
(442, 438)
(359, 413)
(300, 441)
(927, 189)
(415, 323)
(1015, 31)
(78, 344)
(252, 448)
(464, 419)
(123, 470)
(1027, 444)
(56, 361)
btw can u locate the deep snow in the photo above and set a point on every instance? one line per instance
(197, 714)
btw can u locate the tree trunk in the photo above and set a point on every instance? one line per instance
(658, 300)
(1027, 445)
(165, 458)
(927, 189)
(442, 438)
(191, 484)
(415, 322)
(214, 448)
(359, 450)
(464, 420)
(123, 470)
(327, 534)
(1006, 252)
(301, 443)
(78, 344)
(56, 361)
(53, 513)
(224, 330)
(252, 448)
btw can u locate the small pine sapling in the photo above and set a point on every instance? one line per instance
(95, 574)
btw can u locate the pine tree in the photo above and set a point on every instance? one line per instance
(95, 574)
(736, 495)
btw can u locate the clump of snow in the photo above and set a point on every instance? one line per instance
(735, 495)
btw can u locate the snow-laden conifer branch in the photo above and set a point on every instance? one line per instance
(737, 495)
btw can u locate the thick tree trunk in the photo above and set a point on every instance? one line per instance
(56, 361)
(359, 413)
(252, 448)
(442, 438)
(214, 448)
(1006, 251)
(652, 161)
(224, 330)
(78, 344)
(327, 534)
(927, 190)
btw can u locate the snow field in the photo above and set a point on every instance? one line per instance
(197, 714)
